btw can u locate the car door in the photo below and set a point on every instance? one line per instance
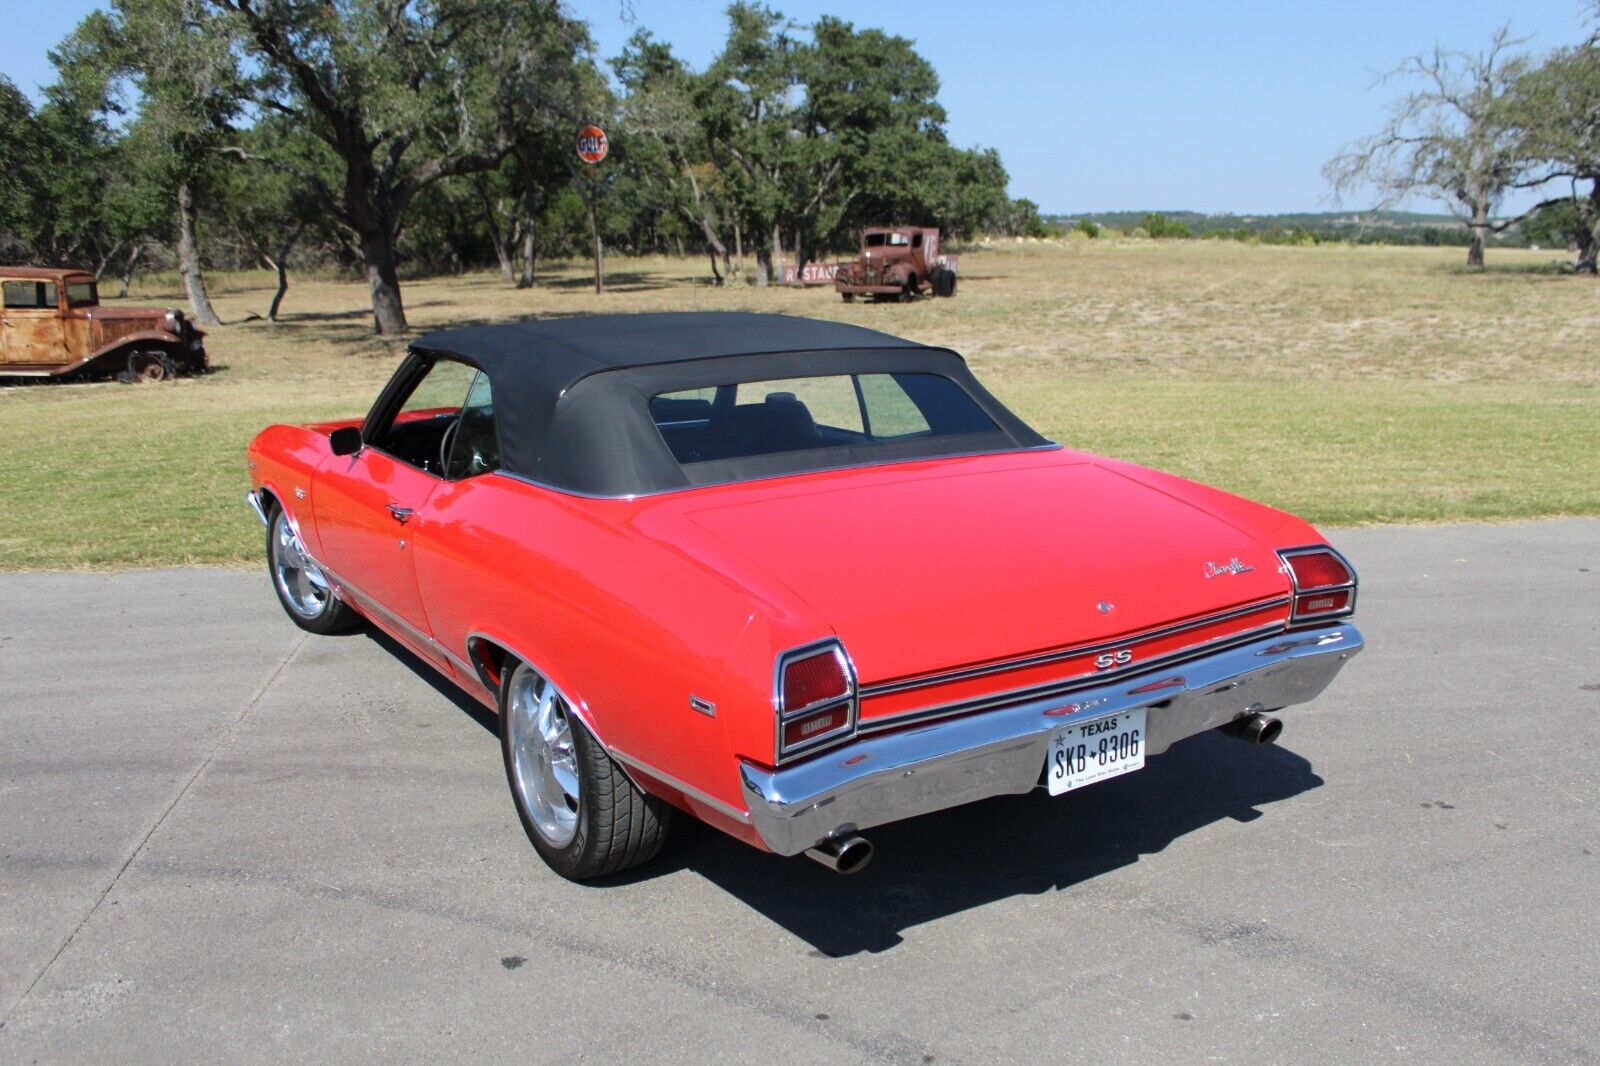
(31, 321)
(370, 506)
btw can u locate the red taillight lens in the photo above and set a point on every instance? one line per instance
(1318, 570)
(1324, 584)
(816, 698)
(814, 679)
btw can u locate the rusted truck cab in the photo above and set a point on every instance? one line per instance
(52, 324)
(899, 262)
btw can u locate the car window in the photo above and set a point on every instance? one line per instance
(26, 295)
(473, 446)
(417, 432)
(855, 411)
(82, 294)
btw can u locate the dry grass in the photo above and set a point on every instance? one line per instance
(1348, 384)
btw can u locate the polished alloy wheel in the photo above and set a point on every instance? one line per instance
(301, 582)
(544, 763)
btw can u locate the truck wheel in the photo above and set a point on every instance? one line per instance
(909, 291)
(585, 817)
(944, 282)
(150, 365)
(849, 297)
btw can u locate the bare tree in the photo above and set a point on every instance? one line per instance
(1449, 139)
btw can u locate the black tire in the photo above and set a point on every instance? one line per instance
(908, 292)
(149, 366)
(618, 825)
(944, 282)
(324, 616)
(849, 297)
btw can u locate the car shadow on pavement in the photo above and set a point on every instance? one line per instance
(941, 864)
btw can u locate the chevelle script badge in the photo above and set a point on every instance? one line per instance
(1233, 566)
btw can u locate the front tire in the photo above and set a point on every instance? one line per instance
(585, 817)
(304, 591)
(150, 366)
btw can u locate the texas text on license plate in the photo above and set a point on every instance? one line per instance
(1085, 752)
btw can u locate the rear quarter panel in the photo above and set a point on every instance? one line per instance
(627, 620)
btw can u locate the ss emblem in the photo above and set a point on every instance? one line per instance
(1106, 660)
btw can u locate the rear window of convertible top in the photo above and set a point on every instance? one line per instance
(858, 412)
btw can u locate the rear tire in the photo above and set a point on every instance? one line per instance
(944, 282)
(585, 817)
(304, 591)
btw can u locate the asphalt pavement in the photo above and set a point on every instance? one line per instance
(223, 840)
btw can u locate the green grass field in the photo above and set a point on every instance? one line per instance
(1350, 385)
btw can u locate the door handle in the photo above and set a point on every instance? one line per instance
(400, 514)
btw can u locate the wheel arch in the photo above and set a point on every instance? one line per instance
(492, 657)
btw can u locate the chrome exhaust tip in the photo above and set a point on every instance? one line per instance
(847, 854)
(1260, 729)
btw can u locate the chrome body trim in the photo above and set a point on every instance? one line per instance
(254, 500)
(639, 765)
(916, 771)
(884, 688)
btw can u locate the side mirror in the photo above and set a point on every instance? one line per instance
(345, 441)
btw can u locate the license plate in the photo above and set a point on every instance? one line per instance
(1085, 752)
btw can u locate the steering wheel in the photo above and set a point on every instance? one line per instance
(444, 446)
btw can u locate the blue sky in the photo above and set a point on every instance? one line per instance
(1095, 106)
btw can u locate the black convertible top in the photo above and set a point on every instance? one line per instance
(554, 353)
(571, 394)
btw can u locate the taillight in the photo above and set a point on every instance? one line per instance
(815, 697)
(1324, 584)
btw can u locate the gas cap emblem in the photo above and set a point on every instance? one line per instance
(1233, 566)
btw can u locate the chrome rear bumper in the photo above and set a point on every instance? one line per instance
(944, 764)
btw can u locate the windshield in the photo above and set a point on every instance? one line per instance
(893, 240)
(853, 417)
(82, 294)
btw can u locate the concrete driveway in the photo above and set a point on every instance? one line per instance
(220, 839)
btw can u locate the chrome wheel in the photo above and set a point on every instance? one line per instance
(300, 581)
(544, 762)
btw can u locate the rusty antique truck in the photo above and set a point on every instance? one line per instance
(53, 324)
(899, 262)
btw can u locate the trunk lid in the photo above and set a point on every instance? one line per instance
(935, 567)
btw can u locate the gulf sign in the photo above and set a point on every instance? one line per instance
(592, 144)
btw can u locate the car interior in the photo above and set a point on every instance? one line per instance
(740, 421)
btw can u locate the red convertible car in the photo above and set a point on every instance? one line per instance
(795, 578)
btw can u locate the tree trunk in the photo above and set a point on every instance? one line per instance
(378, 259)
(194, 283)
(281, 265)
(715, 274)
(777, 254)
(763, 266)
(128, 268)
(1589, 250)
(738, 244)
(530, 247)
(498, 237)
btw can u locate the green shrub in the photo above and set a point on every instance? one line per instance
(1087, 228)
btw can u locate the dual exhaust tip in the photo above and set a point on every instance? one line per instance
(849, 853)
(846, 854)
(1260, 729)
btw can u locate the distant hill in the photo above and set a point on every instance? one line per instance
(1383, 227)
